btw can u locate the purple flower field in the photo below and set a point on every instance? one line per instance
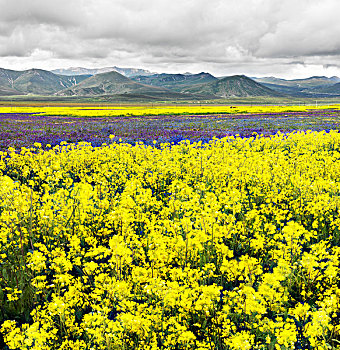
(24, 129)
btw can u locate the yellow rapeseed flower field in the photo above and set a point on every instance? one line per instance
(232, 244)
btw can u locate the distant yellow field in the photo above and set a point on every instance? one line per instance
(113, 111)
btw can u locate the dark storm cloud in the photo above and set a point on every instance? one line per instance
(166, 33)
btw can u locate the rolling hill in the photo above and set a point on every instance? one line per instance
(233, 86)
(176, 82)
(34, 81)
(109, 84)
(41, 82)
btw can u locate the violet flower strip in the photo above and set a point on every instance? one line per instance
(24, 129)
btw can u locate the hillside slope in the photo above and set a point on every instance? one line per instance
(41, 82)
(108, 84)
(176, 82)
(332, 90)
(35, 81)
(233, 86)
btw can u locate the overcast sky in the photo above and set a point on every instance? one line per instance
(285, 38)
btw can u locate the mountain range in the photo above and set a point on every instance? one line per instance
(316, 85)
(138, 83)
(113, 83)
(128, 72)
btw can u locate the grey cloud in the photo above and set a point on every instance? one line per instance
(330, 65)
(312, 29)
(249, 34)
(62, 12)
